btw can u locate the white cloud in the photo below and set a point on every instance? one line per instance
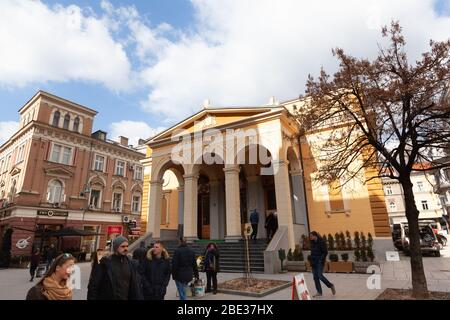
(42, 44)
(7, 129)
(243, 52)
(134, 130)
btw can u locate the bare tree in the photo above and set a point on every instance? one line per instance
(387, 116)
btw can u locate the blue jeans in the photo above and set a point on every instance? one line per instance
(318, 276)
(181, 287)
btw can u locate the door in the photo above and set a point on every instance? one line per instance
(203, 216)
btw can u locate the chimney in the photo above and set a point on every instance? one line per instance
(123, 141)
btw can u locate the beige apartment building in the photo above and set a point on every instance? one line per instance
(55, 173)
(427, 201)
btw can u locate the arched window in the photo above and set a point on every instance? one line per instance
(56, 117)
(66, 122)
(55, 191)
(76, 124)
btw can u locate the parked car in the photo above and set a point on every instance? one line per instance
(397, 236)
(428, 240)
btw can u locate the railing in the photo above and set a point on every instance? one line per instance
(272, 263)
(146, 238)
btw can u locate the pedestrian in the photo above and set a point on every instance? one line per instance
(34, 263)
(115, 278)
(95, 260)
(54, 285)
(51, 254)
(254, 220)
(184, 267)
(319, 254)
(157, 272)
(211, 267)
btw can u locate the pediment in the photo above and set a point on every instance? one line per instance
(15, 171)
(58, 171)
(211, 118)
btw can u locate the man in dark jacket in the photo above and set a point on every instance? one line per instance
(184, 267)
(157, 273)
(254, 220)
(319, 253)
(115, 278)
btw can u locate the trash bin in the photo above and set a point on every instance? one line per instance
(199, 288)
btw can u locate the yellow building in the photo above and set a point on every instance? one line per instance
(205, 175)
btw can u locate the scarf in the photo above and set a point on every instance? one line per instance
(52, 290)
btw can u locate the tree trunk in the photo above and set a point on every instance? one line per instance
(419, 282)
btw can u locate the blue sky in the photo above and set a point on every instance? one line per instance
(145, 65)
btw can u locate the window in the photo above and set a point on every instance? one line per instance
(76, 124)
(99, 163)
(56, 117)
(61, 154)
(388, 190)
(136, 207)
(117, 201)
(94, 201)
(138, 173)
(55, 192)
(20, 154)
(120, 168)
(424, 205)
(392, 205)
(335, 196)
(66, 122)
(420, 185)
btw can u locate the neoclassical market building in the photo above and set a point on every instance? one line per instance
(202, 182)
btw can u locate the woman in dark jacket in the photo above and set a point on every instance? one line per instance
(157, 273)
(211, 266)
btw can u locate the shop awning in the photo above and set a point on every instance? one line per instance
(71, 232)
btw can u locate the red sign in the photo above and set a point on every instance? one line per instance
(114, 229)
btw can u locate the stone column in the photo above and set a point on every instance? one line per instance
(190, 207)
(155, 204)
(256, 200)
(214, 187)
(283, 196)
(233, 204)
(180, 210)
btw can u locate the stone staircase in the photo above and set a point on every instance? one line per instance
(232, 254)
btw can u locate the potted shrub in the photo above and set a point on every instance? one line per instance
(340, 266)
(282, 257)
(330, 242)
(297, 263)
(349, 240)
(290, 255)
(308, 263)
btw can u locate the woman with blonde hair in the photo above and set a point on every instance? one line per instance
(157, 273)
(54, 285)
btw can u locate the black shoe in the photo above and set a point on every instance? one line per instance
(207, 290)
(214, 292)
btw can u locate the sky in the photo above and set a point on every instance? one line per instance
(146, 65)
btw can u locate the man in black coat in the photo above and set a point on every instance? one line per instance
(184, 267)
(157, 272)
(115, 278)
(319, 254)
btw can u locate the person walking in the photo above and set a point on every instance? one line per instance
(34, 263)
(269, 225)
(51, 254)
(254, 220)
(184, 267)
(116, 276)
(157, 272)
(54, 285)
(319, 254)
(211, 267)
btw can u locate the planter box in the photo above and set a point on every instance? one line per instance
(361, 267)
(309, 268)
(341, 266)
(296, 265)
